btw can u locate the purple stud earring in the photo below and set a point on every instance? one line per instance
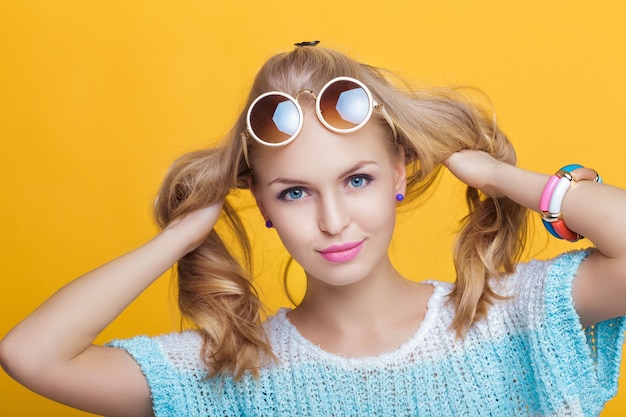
(269, 224)
(399, 197)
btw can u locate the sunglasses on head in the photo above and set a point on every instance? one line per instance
(343, 105)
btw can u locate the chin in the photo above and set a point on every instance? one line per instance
(342, 275)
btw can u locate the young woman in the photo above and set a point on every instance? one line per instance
(330, 148)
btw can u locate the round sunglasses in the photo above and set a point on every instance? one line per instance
(343, 105)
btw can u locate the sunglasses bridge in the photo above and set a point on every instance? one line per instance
(376, 105)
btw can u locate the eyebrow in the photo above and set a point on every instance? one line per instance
(289, 181)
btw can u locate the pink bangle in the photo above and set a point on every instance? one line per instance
(547, 192)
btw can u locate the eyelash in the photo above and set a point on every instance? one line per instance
(366, 178)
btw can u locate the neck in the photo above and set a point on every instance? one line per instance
(374, 315)
(371, 300)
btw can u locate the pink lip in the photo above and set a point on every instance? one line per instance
(342, 253)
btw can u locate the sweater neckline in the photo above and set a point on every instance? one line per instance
(434, 304)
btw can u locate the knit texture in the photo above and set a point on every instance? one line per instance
(530, 357)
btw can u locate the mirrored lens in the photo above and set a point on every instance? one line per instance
(344, 104)
(274, 118)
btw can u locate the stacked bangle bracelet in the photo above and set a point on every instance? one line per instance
(552, 198)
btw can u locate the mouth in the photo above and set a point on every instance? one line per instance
(342, 253)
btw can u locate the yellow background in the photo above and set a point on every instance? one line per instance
(98, 97)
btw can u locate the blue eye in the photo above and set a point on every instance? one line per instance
(295, 194)
(291, 194)
(359, 181)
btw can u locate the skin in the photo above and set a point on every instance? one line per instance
(51, 350)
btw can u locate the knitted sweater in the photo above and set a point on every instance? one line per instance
(530, 357)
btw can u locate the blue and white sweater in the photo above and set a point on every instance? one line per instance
(530, 357)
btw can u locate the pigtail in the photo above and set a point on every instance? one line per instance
(493, 233)
(214, 290)
(490, 242)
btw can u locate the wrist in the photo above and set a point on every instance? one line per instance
(173, 243)
(520, 185)
(502, 180)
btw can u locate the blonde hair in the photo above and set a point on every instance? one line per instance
(215, 291)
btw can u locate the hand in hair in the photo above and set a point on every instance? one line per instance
(194, 227)
(477, 169)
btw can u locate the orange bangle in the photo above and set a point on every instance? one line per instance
(564, 233)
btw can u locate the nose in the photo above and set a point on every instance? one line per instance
(333, 214)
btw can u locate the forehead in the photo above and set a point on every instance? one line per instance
(318, 152)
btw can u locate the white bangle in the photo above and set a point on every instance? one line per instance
(556, 200)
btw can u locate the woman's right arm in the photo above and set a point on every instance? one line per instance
(51, 350)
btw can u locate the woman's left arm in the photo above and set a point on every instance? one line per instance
(596, 211)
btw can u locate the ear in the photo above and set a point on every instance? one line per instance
(399, 167)
(257, 198)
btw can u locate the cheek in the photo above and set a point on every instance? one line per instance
(375, 214)
(378, 201)
(294, 225)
